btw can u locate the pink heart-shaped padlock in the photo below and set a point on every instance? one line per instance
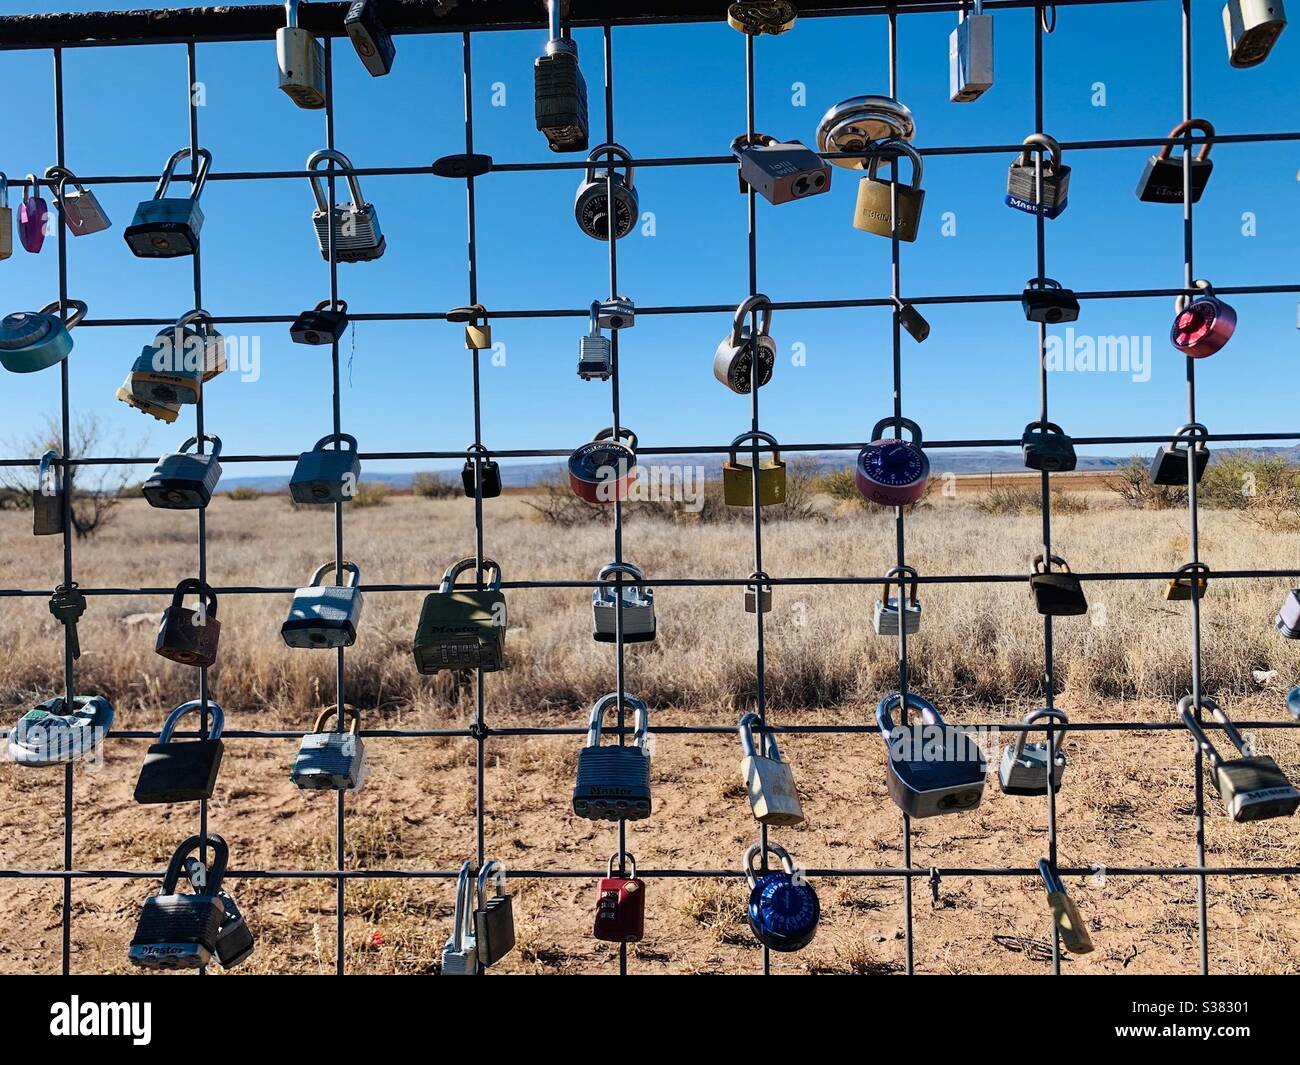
(33, 214)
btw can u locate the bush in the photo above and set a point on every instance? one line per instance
(1021, 500)
(1266, 491)
(371, 495)
(435, 486)
(244, 494)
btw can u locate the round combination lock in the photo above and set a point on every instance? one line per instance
(893, 473)
(783, 909)
(1203, 325)
(33, 340)
(603, 470)
(743, 361)
(592, 208)
(754, 17)
(23, 328)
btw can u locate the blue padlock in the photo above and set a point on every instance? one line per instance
(327, 476)
(50, 734)
(185, 481)
(783, 909)
(173, 368)
(33, 340)
(167, 226)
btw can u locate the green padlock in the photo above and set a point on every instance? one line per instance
(463, 628)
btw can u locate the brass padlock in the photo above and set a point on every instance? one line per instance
(874, 213)
(478, 333)
(737, 478)
(1180, 588)
(1065, 914)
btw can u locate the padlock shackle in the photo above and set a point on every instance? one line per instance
(194, 706)
(216, 872)
(877, 431)
(1201, 290)
(627, 568)
(200, 175)
(885, 712)
(43, 472)
(31, 180)
(1186, 127)
(340, 438)
(1194, 726)
(1049, 712)
(457, 568)
(749, 140)
(194, 586)
(1051, 878)
(462, 930)
(767, 438)
(593, 321)
(1040, 284)
(350, 569)
(629, 859)
(322, 155)
(291, 14)
(1192, 430)
(747, 862)
(341, 305)
(194, 441)
(893, 148)
(194, 317)
(4, 189)
(1045, 427)
(1037, 144)
(640, 719)
(349, 711)
(750, 750)
(1055, 560)
(610, 149)
(756, 302)
(474, 315)
(77, 308)
(609, 434)
(901, 572)
(490, 869)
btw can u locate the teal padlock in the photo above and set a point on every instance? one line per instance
(33, 340)
(185, 481)
(325, 475)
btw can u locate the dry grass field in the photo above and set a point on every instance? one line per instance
(1127, 799)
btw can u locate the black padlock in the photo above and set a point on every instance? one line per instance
(178, 931)
(370, 37)
(1056, 593)
(182, 772)
(1046, 447)
(464, 165)
(320, 326)
(235, 940)
(559, 91)
(188, 636)
(1162, 180)
(491, 473)
(1169, 467)
(914, 322)
(1044, 300)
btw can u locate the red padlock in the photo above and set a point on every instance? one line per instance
(1204, 323)
(603, 470)
(33, 213)
(620, 906)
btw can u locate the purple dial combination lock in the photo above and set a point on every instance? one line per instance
(891, 472)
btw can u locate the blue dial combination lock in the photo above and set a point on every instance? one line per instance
(783, 909)
(33, 340)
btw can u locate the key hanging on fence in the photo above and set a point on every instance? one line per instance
(68, 604)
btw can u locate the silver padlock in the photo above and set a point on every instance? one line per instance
(325, 615)
(595, 355)
(302, 61)
(1023, 770)
(970, 55)
(768, 780)
(47, 499)
(934, 768)
(460, 952)
(591, 207)
(357, 234)
(331, 760)
(743, 360)
(639, 622)
(82, 213)
(1251, 28)
(613, 781)
(1252, 787)
(890, 610)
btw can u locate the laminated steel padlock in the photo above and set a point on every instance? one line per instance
(970, 55)
(1022, 189)
(178, 930)
(559, 90)
(1046, 447)
(187, 636)
(853, 126)
(323, 324)
(172, 370)
(1252, 787)
(331, 759)
(6, 219)
(1288, 618)
(164, 412)
(1059, 593)
(33, 216)
(639, 623)
(934, 768)
(758, 595)
(755, 17)
(167, 226)
(900, 611)
(478, 333)
(185, 481)
(893, 472)
(1203, 323)
(370, 37)
(617, 312)
(67, 605)
(1065, 914)
(463, 628)
(874, 212)
(1044, 300)
(489, 473)
(1169, 467)
(1179, 589)
(357, 233)
(82, 212)
(235, 939)
(327, 475)
(604, 470)
(50, 734)
(47, 499)
(1162, 180)
(175, 771)
(595, 351)
(620, 905)
(34, 340)
(779, 171)
(494, 917)
(737, 477)
(769, 782)
(743, 359)
(301, 60)
(325, 615)
(460, 952)
(591, 206)
(613, 781)
(783, 909)
(1251, 28)
(1024, 766)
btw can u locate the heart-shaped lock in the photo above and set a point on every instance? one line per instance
(33, 214)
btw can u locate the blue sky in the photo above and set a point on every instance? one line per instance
(678, 91)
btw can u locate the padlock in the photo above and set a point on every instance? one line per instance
(1251, 28)
(462, 628)
(235, 939)
(6, 219)
(769, 782)
(1059, 593)
(325, 615)
(1022, 189)
(478, 333)
(357, 233)
(737, 477)
(595, 352)
(188, 636)
(167, 226)
(164, 412)
(639, 622)
(754, 17)
(489, 475)
(182, 772)
(914, 322)
(591, 206)
(1162, 180)
(49, 735)
(604, 470)
(33, 340)
(1203, 322)
(494, 917)
(331, 760)
(324, 475)
(934, 768)
(893, 472)
(1024, 766)
(67, 605)
(902, 611)
(370, 37)
(874, 213)
(177, 930)
(1287, 621)
(1169, 467)
(82, 212)
(783, 910)
(1179, 589)
(1293, 702)
(1044, 300)
(855, 125)
(183, 481)
(47, 499)
(1046, 447)
(620, 905)
(460, 952)
(744, 360)
(779, 171)
(617, 312)
(1065, 914)
(323, 324)
(559, 91)
(463, 165)
(1252, 787)
(301, 60)
(758, 595)
(33, 216)
(172, 370)
(970, 55)
(613, 781)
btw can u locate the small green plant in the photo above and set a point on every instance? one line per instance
(243, 494)
(371, 495)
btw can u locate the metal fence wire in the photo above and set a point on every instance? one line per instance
(210, 27)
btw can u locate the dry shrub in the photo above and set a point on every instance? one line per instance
(1018, 500)
(430, 485)
(244, 494)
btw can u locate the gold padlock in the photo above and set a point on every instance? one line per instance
(1065, 914)
(478, 334)
(874, 213)
(1180, 588)
(737, 478)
